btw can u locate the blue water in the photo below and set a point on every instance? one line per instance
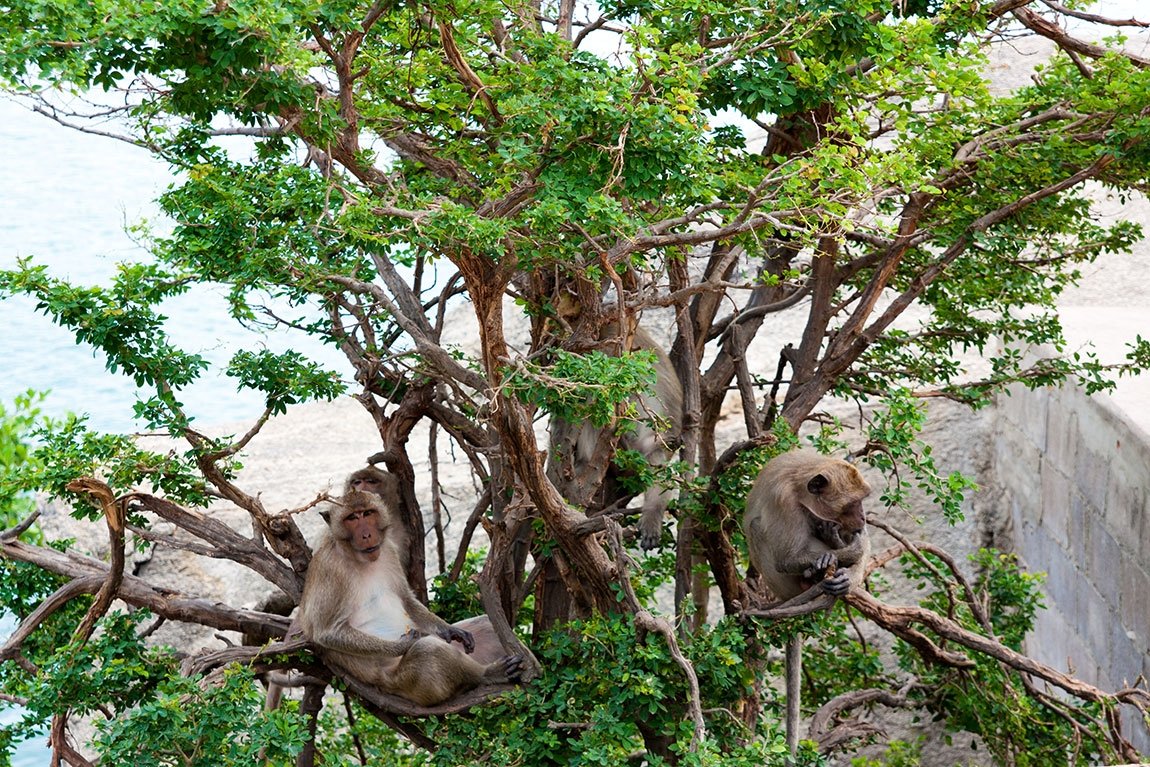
(66, 199)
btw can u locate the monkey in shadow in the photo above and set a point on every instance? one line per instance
(573, 445)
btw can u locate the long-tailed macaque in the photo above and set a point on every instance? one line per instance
(358, 608)
(805, 527)
(664, 406)
(804, 517)
(373, 480)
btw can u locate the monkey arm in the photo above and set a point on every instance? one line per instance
(342, 637)
(856, 551)
(425, 620)
(430, 623)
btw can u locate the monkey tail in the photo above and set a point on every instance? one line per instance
(794, 691)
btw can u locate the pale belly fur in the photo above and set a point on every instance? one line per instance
(383, 615)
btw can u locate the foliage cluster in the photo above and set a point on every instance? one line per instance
(825, 197)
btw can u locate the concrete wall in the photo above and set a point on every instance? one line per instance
(1075, 475)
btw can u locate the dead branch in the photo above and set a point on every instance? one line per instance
(13, 533)
(69, 591)
(898, 620)
(810, 601)
(831, 734)
(225, 543)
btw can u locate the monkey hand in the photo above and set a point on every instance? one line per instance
(837, 585)
(410, 637)
(824, 567)
(455, 634)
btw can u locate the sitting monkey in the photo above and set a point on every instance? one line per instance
(358, 607)
(805, 517)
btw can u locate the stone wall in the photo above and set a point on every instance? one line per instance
(1075, 476)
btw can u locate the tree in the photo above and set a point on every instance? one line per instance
(407, 158)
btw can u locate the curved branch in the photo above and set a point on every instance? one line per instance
(139, 593)
(61, 596)
(898, 620)
(830, 734)
(113, 509)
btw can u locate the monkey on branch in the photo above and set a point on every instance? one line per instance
(580, 454)
(806, 535)
(358, 608)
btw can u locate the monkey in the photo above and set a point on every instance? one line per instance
(358, 608)
(805, 527)
(804, 513)
(373, 480)
(665, 404)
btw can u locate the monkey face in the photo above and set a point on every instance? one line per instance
(839, 499)
(364, 484)
(362, 522)
(362, 531)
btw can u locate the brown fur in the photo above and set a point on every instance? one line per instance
(805, 526)
(373, 480)
(792, 520)
(358, 607)
(666, 405)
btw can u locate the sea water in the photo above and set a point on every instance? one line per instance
(66, 200)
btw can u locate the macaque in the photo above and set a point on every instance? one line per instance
(372, 480)
(358, 608)
(666, 405)
(805, 527)
(805, 518)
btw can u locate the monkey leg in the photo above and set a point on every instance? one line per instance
(656, 499)
(433, 671)
(488, 648)
(655, 502)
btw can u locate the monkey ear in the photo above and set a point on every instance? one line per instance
(326, 514)
(817, 484)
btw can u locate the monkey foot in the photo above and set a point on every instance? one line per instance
(650, 540)
(512, 667)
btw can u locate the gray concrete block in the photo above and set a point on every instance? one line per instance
(1104, 564)
(1061, 436)
(1031, 410)
(1093, 619)
(1020, 464)
(1056, 498)
(1063, 585)
(1055, 643)
(1081, 521)
(1134, 601)
(1092, 476)
(1126, 506)
(1125, 657)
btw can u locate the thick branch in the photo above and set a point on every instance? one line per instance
(225, 542)
(899, 620)
(139, 593)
